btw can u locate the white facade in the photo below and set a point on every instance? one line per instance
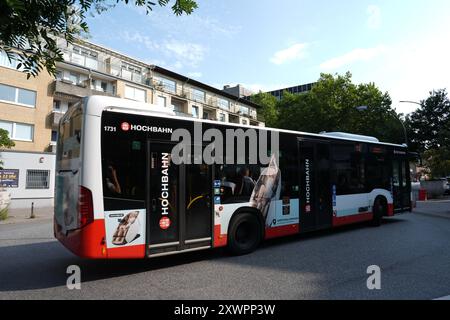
(29, 163)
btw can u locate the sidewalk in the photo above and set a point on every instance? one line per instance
(23, 215)
(434, 207)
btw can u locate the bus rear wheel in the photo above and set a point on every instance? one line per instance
(244, 234)
(379, 210)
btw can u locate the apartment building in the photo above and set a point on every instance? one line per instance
(30, 109)
(91, 69)
(302, 88)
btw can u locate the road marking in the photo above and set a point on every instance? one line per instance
(443, 298)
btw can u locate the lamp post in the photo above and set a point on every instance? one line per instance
(407, 101)
(365, 108)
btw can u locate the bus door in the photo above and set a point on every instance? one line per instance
(401, 185)
(316, 210)
(179, 203)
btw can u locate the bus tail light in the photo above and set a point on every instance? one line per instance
(86, 208)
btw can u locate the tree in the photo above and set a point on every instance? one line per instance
(32, 26)
(269, 109)
(438, 162)
(5, 142)
(429, 126)
(429, 130)
(331, 105)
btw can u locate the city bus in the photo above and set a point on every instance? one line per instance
(120, 194)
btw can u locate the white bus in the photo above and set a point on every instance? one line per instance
(119, 193)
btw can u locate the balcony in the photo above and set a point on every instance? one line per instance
(106, 66)
(53, 118)
(67, 88)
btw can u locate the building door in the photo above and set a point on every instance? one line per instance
(179, 203)
(316, 209)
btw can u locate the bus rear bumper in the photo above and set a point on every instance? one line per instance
(88, 242)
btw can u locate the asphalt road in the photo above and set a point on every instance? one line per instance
(412, 250)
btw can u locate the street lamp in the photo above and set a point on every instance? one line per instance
(407, 101)
(365, 108)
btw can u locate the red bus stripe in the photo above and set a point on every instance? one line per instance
(340, 221)
(281, 231)
(220, 240)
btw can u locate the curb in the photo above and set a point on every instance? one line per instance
(436, 215)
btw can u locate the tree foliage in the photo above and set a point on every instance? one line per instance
(332, 104)
(5, 142)
(269, 111)
(429, 129)
(429, 126)
(32, 25)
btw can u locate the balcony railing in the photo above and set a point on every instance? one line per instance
(106, 67)
(54, 117)
(77, 90)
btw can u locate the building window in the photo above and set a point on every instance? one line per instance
(244, 110)
(198, 95)
(131, 72)
(18, 131)
(74, 78)
(135, 94)
(205, 115)
(104, 86)
(5, 62)
(222, 117)
(59, 75)
(166, 84)
(244, 122)
(161, 101)
(223, 103)
(85, 57)
(54, 136)
(38, 179)
(56, 105)
(18, 96)
(195, 111)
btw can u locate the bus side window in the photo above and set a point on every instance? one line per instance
(237, 182)
(348, 169)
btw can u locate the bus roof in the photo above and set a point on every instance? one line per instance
(95, 105)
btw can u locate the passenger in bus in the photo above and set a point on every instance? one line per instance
(246, 183)
(112, 182)
(343, 186)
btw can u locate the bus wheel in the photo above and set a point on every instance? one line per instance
(244, 234)
(379, 210)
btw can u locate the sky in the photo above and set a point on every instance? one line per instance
(403, 46)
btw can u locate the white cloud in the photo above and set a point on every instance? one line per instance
(353, 56)
(294, 52)
(139, 38)
(180, 52)
(374, 19)
(191, 53)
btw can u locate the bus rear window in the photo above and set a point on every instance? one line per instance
(69, 138)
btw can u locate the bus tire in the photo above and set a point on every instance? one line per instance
(244, 234)
(379, 210)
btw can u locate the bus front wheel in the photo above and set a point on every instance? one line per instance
(244, 234)
(379, 210)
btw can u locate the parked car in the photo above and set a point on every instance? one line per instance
(447, 186)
